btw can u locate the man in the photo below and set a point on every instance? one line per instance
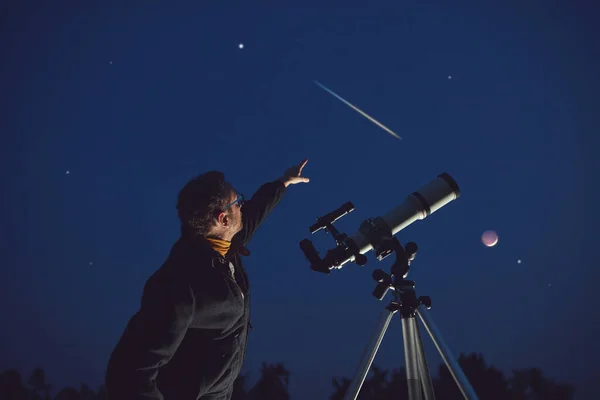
(188, 339)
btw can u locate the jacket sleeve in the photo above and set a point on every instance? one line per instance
(258, 208)
(150, 340)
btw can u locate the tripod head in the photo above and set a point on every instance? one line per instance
(398, 271)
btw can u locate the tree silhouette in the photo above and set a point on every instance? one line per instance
(37, 381)
(68, 393)
(531, 384)
(272, 385)
(340, 386)
(86, 393)
(488, 382)
(239, 388)
(12, 386)
(101, 393)
(380, 384)
(397, 385)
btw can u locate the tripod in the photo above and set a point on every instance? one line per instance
(406, 301)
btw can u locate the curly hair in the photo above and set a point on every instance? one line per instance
(199, 202)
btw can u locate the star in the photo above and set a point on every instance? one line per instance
(91, 263)
(449, 76)
(110, 62)
(519, 261)
(67, 172)
(241, 45)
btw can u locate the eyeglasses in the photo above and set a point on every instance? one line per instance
(239, 200)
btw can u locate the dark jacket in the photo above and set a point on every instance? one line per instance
(188, 339)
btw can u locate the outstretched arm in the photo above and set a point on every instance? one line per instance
(264, 201)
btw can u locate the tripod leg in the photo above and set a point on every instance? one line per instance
(423, 366)
(369, 354)
(457, 373)
(411, 356)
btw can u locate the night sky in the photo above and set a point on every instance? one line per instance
(107, 111)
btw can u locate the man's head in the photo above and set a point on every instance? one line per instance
(208, 205)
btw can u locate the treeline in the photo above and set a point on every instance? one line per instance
(488, 382)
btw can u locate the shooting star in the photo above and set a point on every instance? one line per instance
(373, 120)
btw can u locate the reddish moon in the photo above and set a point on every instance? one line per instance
(489, 238)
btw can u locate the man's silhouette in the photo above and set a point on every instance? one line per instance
(188, 339)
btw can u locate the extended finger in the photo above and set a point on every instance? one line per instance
(302, 164)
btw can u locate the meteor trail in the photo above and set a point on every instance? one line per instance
(373, 120)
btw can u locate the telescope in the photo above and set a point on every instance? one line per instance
(378, 233)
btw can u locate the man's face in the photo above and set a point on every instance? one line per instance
(235, 213)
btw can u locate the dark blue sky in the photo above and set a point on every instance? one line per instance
(135, 100)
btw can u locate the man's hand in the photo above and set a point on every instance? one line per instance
(294, 175)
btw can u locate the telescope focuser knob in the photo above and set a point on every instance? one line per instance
(381, 277)
(360, 259)
(426, 301)
(410, 249)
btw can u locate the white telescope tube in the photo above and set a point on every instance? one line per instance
(427, 200)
